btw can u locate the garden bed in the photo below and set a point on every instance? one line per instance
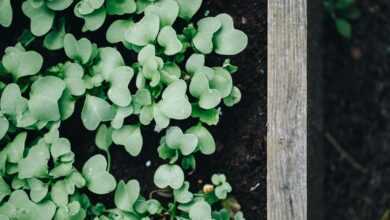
(240, 136)
(356, 116)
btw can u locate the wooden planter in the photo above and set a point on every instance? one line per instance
(287, 110)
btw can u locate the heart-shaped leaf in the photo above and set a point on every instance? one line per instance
(103, 139)
(167, 38)
(186, 143)
(206, 142)
(130, 137)
(36, 162)
(79, 50)
(188, 8)
(109, 59)
(233, 98)
(15, 148)
(201, 210)
(85, 7)
(126, 195)
(44, 96)
(167, 10)
(119, 92)
(99, 181)
(116, 32)
(222, 81)
(38, 189)
(6, 13)
(203, 40)
(145, 31)
(95, 111)
(120, 7)
(174, 103)
(21, 63)
(169, 175)
(229, 41)
(195, 62)
(210, 99)
(183, 195)
(74, 73)
(59, 148)
(11, 102)
(41, 17)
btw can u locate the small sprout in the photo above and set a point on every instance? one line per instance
(78, 50)
(174, 103)
(95, 111)
(126, 195)
(183, 195)
(176, 140)
(222, 187)
(116, 32)
(206, 142)
(99, 181)
(20, 63)
(167, 38)
(42, 18)
(130, 137)
(145, 31)
(169, 175)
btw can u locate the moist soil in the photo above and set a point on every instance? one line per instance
(357, 116)
(240, 135)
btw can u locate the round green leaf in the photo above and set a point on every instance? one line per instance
(145, 31)
(229, 41)
(95, 111)
(169, 175)
(175, 102)
(167, 38)
(99, 181)
(167, 10)
(116, 32)
(44, 96)
(42, 18)
(183, 195)
(201, 210)
(130, 137)
(206, 142)
(126, 195)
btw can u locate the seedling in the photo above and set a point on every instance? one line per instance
(169, 82)
(343, 12)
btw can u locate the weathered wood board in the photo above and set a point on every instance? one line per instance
(287, 110)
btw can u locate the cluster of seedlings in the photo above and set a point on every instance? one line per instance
(169, 81)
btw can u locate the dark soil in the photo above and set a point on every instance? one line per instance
(357, 115)
(240, 135)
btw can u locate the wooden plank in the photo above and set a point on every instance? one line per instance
(287, 110)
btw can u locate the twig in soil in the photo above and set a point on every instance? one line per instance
(344, 153)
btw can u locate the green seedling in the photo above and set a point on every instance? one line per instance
(169, 82)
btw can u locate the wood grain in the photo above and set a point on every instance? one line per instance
(287, 110)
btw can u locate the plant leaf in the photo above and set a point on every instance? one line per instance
(167, 10)
(229, 41)
(44, 96)
(169, 175)
(167, 38)
(95, 111)
(6, 13)
(188, 8)
(121, 7)
(126, 195)
(130, 137)
(145, 31)
(116, 32)
(206, 142)
(22, 63)
(99, 181)
(175, 102)
(103, 138)
(41, 18)
(201, 210)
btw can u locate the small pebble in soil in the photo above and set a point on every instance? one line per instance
(208, 188)
(356, 53)
(148, 163)
(243, 20)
